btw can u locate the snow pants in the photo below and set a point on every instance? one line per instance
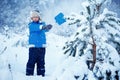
(36, 56)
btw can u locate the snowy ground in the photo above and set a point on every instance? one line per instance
(16, 55)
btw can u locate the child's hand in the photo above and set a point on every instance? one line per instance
(47, 27)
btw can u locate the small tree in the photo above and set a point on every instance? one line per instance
(97, 37)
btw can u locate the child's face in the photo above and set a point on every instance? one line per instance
(35, 19)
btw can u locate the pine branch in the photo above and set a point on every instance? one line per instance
(71, 47)
(3, 50)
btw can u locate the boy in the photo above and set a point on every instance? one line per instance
(37, 41)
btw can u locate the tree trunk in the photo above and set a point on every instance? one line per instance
(94, 53)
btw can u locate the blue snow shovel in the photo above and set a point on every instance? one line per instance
(60, 18)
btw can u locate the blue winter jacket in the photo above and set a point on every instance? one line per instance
(37, 36)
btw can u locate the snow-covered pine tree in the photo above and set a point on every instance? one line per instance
(97, 38)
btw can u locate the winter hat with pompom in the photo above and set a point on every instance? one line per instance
(35, 13)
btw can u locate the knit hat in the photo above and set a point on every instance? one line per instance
(34, 13)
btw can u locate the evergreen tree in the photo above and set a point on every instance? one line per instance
(97, 38)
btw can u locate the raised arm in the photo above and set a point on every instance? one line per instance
(36, 27)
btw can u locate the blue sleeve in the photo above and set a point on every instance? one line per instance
(32, 28)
